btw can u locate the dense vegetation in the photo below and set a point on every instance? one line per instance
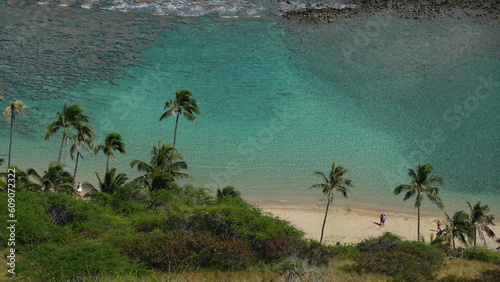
(152, 228)
(134, 234)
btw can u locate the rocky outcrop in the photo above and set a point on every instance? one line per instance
(421, 9)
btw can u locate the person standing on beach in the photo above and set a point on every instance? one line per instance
(439, 226)
(384, 218)
(381, 218)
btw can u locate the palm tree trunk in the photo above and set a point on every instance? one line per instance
(76, 165)
(60, 149)
(418, 223)
(175, 130)
(107, 164)
(324, 221)
(10, 143)
(475, 234)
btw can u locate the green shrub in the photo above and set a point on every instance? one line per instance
(168, 251)
(403, 260)
(386, 242)
(228, 254)
(242, 222)
(74, 262)
(37, 226)
(101, 199)
(345, 252)
(173, 251)
(482, 254)
(278, 248)
(181, 196)
(82, 216)
(247, 223)
(193, 196)
(318, 254)
(126, 199)
(146, 222)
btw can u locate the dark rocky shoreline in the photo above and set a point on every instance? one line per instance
(432, 9)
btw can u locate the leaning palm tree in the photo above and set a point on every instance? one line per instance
(182, 105)
(479, 220)
(70, 117)
(111, 182)
(421, 181)
(163, 169)
(334, 181)
(84, 138)
(112, 142)
(10, 114)
(55, 178)
(459, 227)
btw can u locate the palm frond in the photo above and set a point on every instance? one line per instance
(401, 188)
(318, 186)
(141, 166)
(167, 114)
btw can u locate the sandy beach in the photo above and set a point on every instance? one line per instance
(353, 222)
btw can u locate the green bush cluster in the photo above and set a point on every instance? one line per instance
(124, 233)
(75, 261)
(37, 226)
(402, 260)
(168, 229)
(482, 254)
(127, 199)
(174, 250)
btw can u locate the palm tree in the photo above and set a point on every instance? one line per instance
(71, 117)
(333, 182)
(55, 178)
(228, 191)
(10, 114)
(112, 142)
(421, 181)
(459, 227)
(110, 184)
(479, 220)
(163, 169)
(183, 105)
(21, 179)
(84, 138)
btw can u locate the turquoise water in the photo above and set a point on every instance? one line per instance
(375, 95)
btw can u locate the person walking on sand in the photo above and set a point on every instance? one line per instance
(381, 218)
(439, 226)
(384, 218)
